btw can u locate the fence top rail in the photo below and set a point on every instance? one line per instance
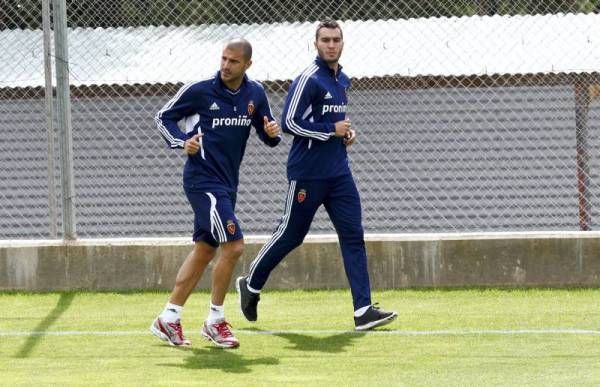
(314, 238)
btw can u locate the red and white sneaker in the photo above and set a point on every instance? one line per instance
(220, 334)
(169, 332)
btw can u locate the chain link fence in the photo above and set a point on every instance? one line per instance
(477, 115)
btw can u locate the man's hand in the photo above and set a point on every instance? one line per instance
(350, 137)
(342, 127)
(192, 145)
(271, 128)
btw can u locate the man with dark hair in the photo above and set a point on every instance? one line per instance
(218, 113)
(319, 174)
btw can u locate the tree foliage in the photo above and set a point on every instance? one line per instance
(26, 14)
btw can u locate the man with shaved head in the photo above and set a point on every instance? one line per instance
(240, 44)
(217, 114)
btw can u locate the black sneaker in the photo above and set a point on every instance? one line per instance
(248, 300)
(372, 318)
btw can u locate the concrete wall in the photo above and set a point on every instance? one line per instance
(395, 261)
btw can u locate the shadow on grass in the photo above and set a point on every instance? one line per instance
(226, 360)
(329, 344)
(61, 306)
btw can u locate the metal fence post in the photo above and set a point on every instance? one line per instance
(64, 118)
(49, 118)
(582, 106)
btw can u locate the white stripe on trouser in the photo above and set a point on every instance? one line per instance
(280, 230)
(215, 220)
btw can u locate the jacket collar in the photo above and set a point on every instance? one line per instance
(323, 65)
(219, 82)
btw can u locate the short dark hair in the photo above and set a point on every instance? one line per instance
(328, 23)
(241, 43)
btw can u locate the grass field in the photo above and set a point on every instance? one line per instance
(449, 338)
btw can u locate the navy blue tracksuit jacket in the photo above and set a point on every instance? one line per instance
(224, 118)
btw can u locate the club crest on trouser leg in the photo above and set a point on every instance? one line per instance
(231, 227)
(301, 195)
(250, 107)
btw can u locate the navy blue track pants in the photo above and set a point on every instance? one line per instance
(342, 202)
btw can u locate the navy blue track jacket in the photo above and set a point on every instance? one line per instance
(315, 101)
(224, 118)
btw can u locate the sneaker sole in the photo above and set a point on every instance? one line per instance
(156, 332)
(220, 345)
(237, 287)
(238, 290)
(377, 323)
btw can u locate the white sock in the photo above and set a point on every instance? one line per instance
(215, 313)
(171, 313)
(360, 311)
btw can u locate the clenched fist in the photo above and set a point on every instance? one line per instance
(271, 127)
(193, 145)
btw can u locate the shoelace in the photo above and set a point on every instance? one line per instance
(176, 326)
(223, 329)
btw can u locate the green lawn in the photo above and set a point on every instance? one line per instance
(446, 338)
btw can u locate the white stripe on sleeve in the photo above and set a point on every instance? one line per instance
(297, 94)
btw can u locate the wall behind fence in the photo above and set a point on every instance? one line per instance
(466, 122)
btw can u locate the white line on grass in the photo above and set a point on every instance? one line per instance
(449, 332)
